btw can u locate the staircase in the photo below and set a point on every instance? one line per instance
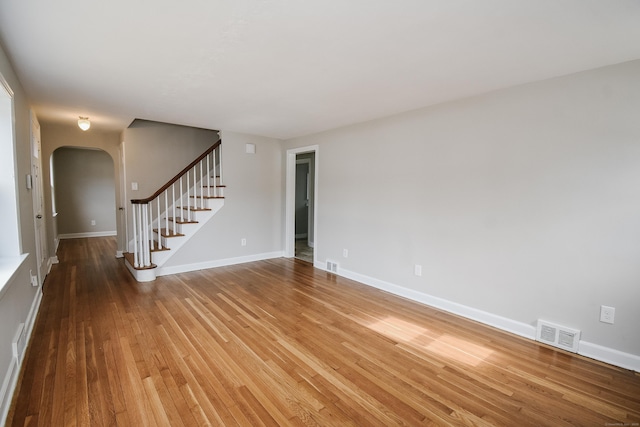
(165, 221)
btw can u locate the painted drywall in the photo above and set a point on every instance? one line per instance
(18, 296)
(85, 191)
(154, 153)
(55, 136)
(252, 207)
(523, 203)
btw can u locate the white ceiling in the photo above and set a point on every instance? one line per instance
(286, 68)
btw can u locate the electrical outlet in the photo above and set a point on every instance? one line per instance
(93, 222)
(417, 270)
(243, 242)
(607, 314)
(345, 253)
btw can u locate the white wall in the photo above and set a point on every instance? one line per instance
(252, 207)
(523, 203)
(18, 299)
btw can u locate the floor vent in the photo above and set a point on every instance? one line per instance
(558, 336)
(332, 266)
(19, 343)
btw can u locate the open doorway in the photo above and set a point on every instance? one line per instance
(301, 203)
(305, 171)
(83, 192)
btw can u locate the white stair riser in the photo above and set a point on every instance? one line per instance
(189, 230)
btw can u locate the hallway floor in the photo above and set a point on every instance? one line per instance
(304, 251)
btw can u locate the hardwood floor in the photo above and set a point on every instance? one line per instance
(280, 343)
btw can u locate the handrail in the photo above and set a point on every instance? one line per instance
(177, 177)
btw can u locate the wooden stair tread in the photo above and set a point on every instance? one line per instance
(130, 258)
(171, 233)
(181, 220)
(194, 209)
(207, 197)
(155, 247)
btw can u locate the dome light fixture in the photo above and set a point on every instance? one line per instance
(84, 123)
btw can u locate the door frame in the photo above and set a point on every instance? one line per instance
(36, 184)
(290, 200)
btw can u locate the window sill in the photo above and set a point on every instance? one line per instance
(9, 266)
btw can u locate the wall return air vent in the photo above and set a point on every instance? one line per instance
(558, 336)
(332, 266)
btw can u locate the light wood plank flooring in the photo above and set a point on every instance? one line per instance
(279, 343)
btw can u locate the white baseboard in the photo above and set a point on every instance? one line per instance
(89, 234)
(11, 378)
(610, 356)
(8, 387)
(163, 271)
(593, 351)
(31, 317)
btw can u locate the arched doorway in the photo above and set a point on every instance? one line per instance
(83, 193)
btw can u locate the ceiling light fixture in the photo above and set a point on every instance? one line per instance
(84, 123)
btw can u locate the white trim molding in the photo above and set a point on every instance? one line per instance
(89, 234)
(164, 271)
(609, 355)
(11, 378)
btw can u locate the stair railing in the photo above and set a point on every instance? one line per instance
(203, 174)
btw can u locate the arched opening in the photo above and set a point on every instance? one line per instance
(83, 193)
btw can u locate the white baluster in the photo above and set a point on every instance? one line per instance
(173, 204)
(195, 189)
(158, 222)
(201, 185)
(135, 210)
(145, 240)
(208, 175)
(142, 235)
(181, 201)
(220, 161)
(166, 211)
(188, 197)
(215, 179)
(149, 234)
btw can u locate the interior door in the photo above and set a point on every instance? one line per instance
(38, 199)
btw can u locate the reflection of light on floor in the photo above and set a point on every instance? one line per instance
(445, 345)
(461, 350)
(399, 329)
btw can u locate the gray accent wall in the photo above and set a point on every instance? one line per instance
(85, 191)
(523, 203)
